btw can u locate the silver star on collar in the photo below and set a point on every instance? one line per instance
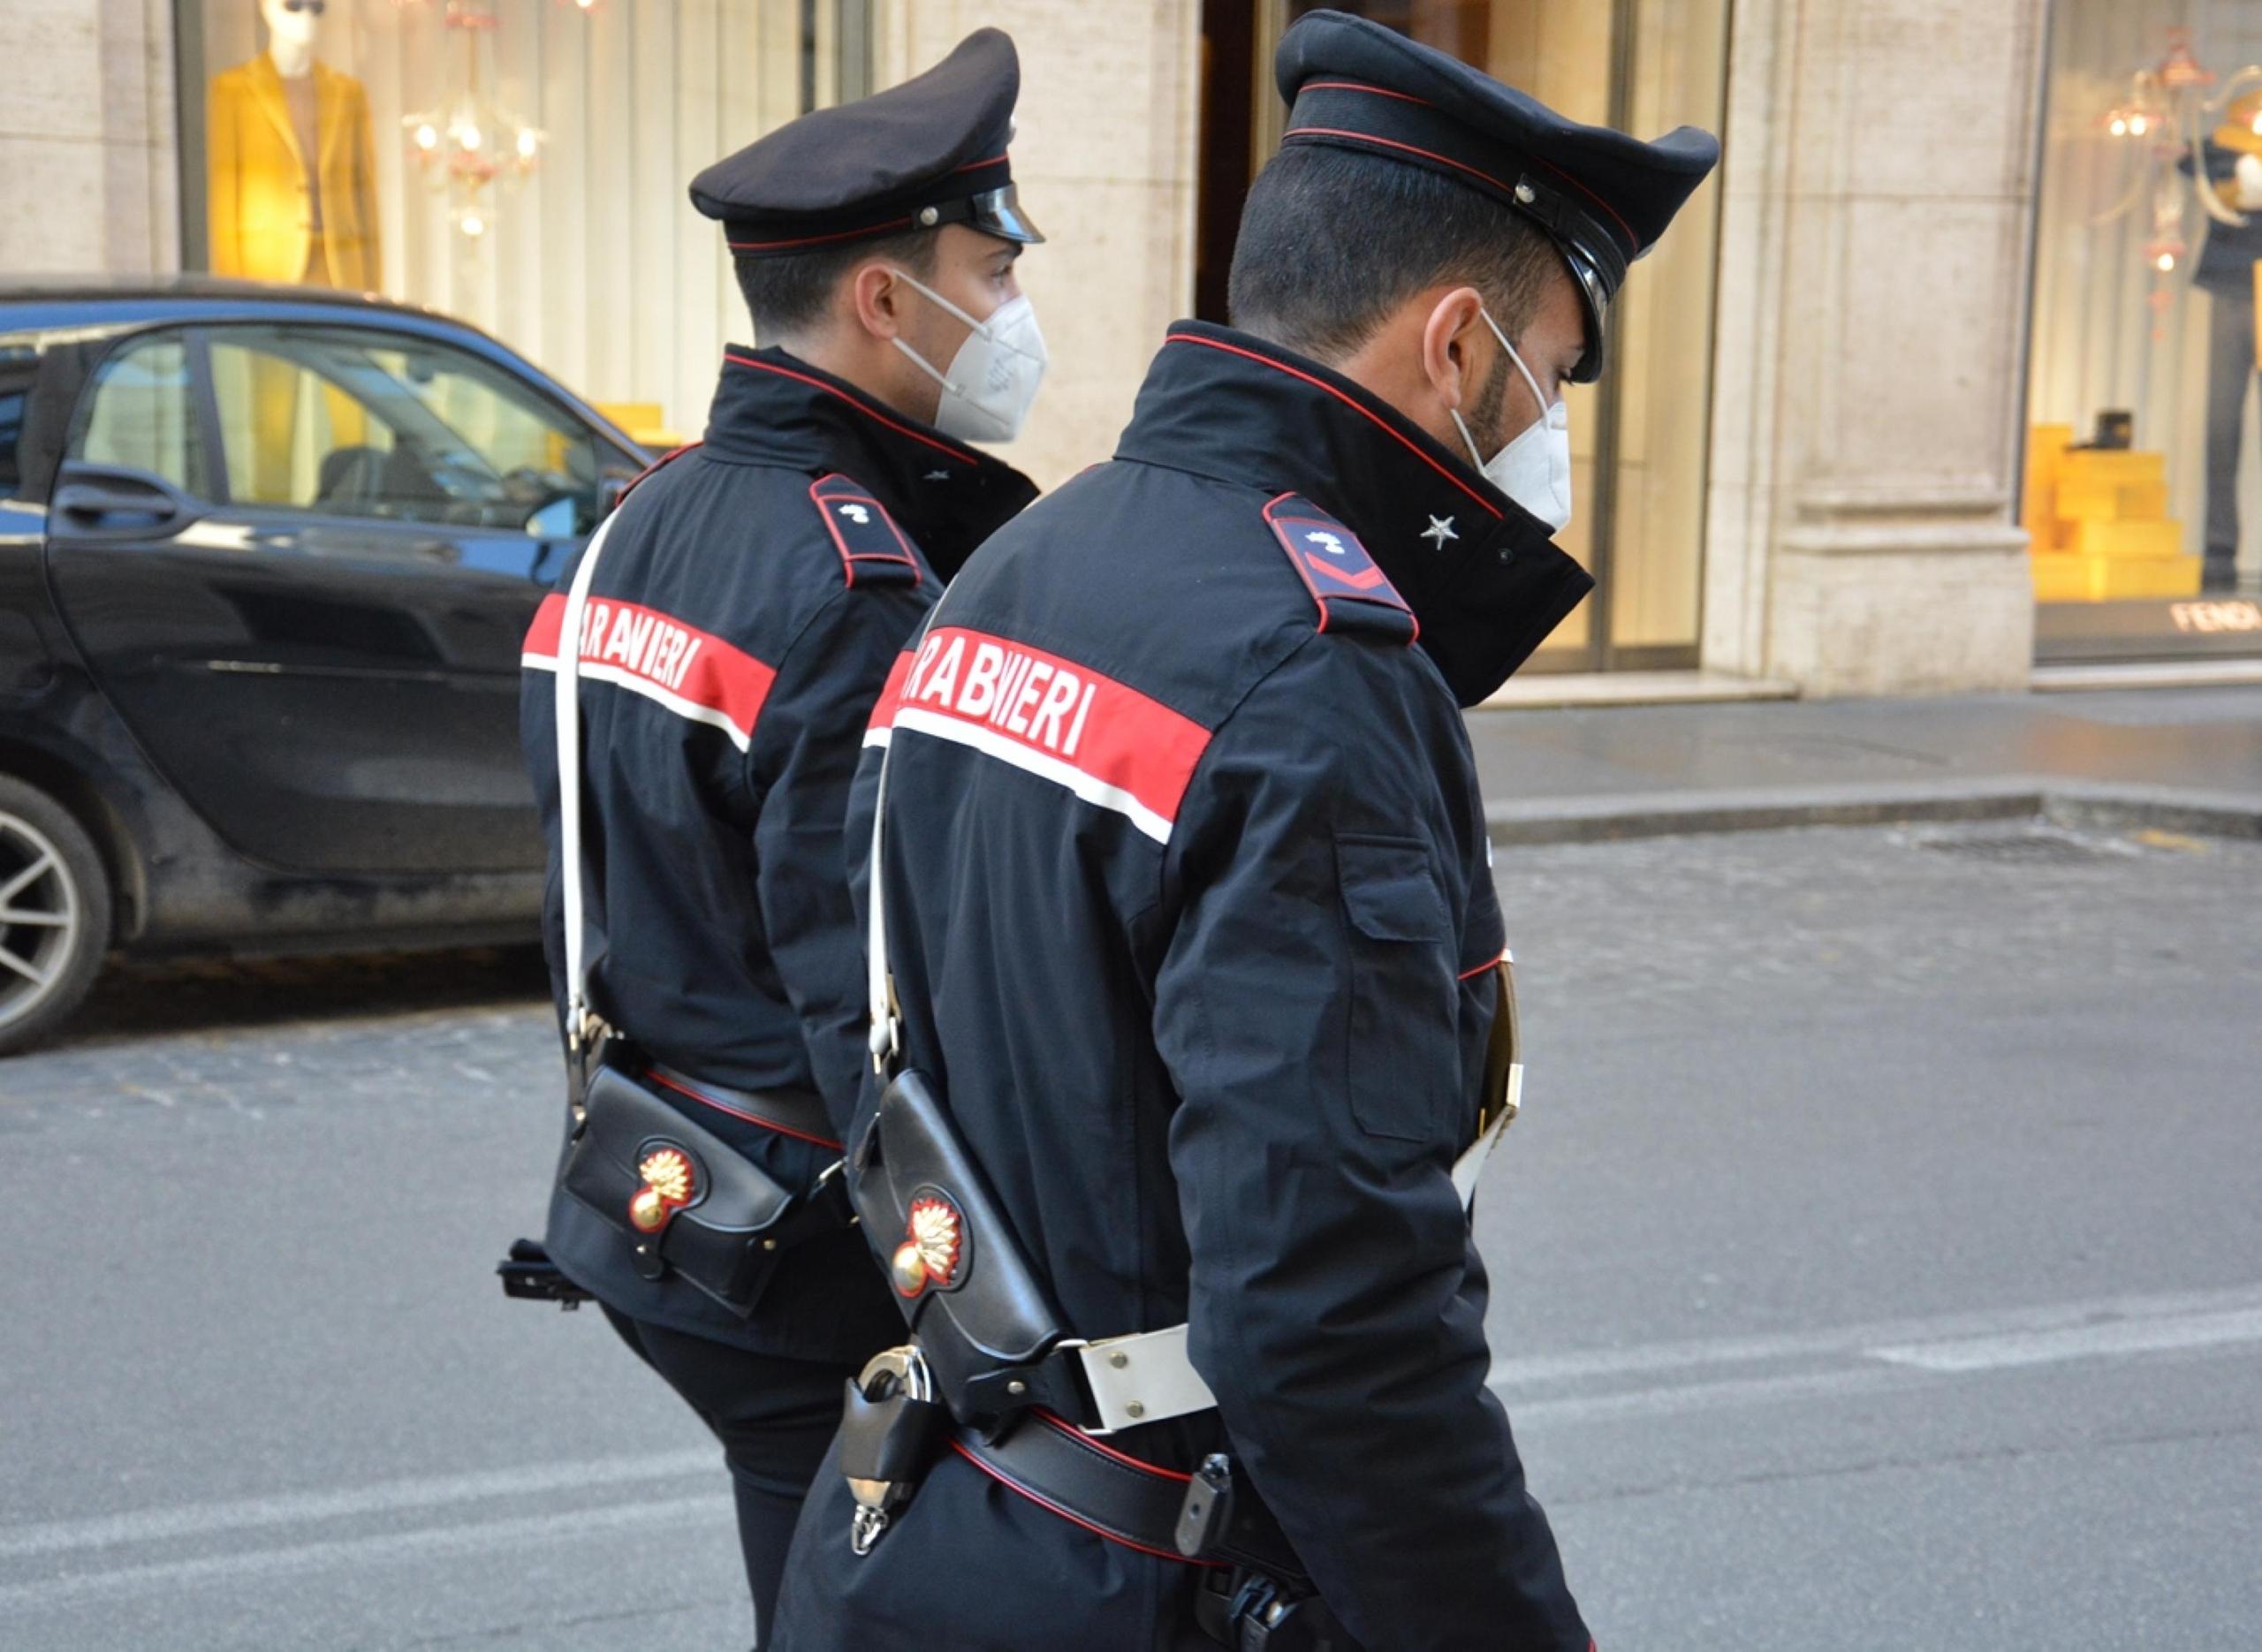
(936, 476)
(1440, 529)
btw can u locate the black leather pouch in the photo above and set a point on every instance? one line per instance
(684, 1200)
(965, 1287)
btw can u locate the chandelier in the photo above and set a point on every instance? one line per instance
(2168, 118)
(469, 146)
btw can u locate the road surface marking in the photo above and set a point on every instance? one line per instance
(2103, 1340)
(431, 1543)
(195, 1519)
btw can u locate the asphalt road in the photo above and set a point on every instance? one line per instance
(1878, 1264)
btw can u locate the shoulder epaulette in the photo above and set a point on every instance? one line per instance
(873, 549)
(1351, 592)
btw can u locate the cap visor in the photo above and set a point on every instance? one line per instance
(998, 212)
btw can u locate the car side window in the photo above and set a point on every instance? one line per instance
(139, 413)
(19, 368)
(355, 423)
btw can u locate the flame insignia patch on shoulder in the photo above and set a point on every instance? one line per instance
(936, 1242)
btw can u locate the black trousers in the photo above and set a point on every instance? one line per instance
(2230, 366)
(775, 1417)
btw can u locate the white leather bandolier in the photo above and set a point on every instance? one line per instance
(579, 1024)
(1148, 1375)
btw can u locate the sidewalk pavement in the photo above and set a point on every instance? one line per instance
(2172, 758)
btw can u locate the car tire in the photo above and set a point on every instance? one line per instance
(55, 914)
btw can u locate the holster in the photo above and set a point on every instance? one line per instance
(982, 1317)
(989, 1361)
(684, 1200)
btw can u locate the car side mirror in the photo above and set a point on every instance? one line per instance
(557, 519)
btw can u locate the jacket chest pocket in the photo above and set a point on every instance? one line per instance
(1404, 1047)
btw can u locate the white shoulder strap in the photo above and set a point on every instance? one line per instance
(886, 1034)
(573, 874)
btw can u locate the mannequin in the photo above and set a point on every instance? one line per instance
(292, 189)
(2225, 271)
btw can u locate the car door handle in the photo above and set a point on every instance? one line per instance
(92, 498)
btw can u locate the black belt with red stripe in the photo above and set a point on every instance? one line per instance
(1117, 1496)
(798, 1113)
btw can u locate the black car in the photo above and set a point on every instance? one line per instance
(266, 556)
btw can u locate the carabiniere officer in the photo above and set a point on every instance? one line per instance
(1196, 1008)
(751, 594)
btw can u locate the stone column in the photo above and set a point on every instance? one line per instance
(88, 167)
(1104, 161)
(1876, 213)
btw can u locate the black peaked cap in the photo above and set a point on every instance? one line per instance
(1604, 197)
(928, 151)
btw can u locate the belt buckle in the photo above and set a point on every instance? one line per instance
(889, 1374)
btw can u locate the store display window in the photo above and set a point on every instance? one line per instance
(518, 164)
(2143, 496)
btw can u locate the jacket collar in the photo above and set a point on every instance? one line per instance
(775, 409)
(1479, 570)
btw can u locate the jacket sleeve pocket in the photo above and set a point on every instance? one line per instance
(1404, 1054)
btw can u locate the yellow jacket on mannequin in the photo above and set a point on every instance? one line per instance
(261, 211)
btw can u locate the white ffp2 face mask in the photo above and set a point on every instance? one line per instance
(1534, 469)
(993, 377)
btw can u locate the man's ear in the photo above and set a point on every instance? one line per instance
(876, 298)
(1448, 338)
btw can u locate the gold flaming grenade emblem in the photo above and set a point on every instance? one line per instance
(667, 1188)
(930, 1254)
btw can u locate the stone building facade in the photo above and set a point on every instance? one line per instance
(1839, 438)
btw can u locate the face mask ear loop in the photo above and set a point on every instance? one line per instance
(937, 300)
(1466, 440)
(926, 367)
(1537, 400)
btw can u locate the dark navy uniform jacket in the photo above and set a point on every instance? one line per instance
(751, 597)
(1190, 913)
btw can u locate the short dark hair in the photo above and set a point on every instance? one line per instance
(787, 294)
(1332, 240)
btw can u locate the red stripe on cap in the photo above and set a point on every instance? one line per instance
(963, 457)
(1374, 91)
(976, 166)
(819, 241)
(1367, 413)
(1446, 160)
(658, 654)
(1598, 201)
(1107, 742)
(1392, 143)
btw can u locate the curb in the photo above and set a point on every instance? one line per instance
(2069, 803)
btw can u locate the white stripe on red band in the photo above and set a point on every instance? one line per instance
(993, 744)
(691, 673)
(1048, 716)
(651, 691)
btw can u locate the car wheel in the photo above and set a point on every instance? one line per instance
(55, 912)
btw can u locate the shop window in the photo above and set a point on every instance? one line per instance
(2142, 500)
(518, 163)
